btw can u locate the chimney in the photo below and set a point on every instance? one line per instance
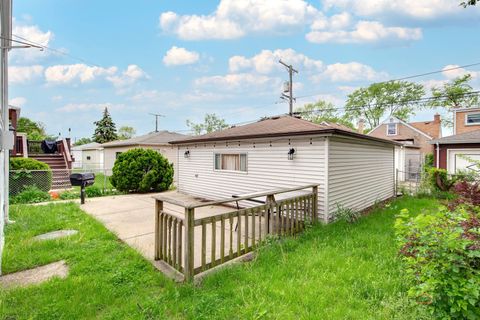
(436, 118)
(361, 125)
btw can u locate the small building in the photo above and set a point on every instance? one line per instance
(415, 138)
(158, 141)
(88, 156)
(351, 169)
(459, 151)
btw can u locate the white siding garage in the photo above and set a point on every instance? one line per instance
(461, 160)
(351, 169)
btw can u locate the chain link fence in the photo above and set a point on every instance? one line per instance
(56, 180)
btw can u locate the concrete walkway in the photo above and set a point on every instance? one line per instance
(132, 217)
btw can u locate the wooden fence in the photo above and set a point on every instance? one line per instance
(193, 245)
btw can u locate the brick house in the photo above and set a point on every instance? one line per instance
(456, 152)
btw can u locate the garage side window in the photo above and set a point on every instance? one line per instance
(473, 118)
(231, 161)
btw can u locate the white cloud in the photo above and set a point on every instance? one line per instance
(128, 77)
(61, 74)
(267, 61)
(238, 81)
(18, 75)
(234, 19)
(365, 31)
(74, 107)
(412, 9)
(180, 56)
(17, 101)
(34, 34)
(347, 72)
(455, 73)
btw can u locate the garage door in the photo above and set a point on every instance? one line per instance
(463, 159)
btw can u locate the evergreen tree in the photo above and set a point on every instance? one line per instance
(105, 130)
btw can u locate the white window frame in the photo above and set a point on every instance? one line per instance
(230, 153)
(396, 128)
(466, 119)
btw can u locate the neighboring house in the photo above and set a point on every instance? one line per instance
(351, 169)
(456, 152)
(88, 156)
(415, 138)
(156, 140)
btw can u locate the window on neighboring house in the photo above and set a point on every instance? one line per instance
(117, 154)
(231, 161)
(472, 118)
(88, 157)
(391, 129)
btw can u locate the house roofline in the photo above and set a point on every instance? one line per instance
(404, 123)
(287, 134)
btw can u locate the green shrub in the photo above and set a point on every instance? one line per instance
(428, 163)
(93, 191)
(346, 214)
(142, 170)
(441, 252)
(68, 195)
(440, 180)
(30, 194)
(29, 172)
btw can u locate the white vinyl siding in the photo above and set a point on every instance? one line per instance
(360, 173)
(268, 168)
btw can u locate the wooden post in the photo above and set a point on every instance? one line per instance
(315, 204)
(189, 244)
(158, 209)
(268, 217)
(395, 185)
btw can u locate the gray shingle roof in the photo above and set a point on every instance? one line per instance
(153, 138)
(274, 127)
(467, 137)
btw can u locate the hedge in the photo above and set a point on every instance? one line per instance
(25, 172)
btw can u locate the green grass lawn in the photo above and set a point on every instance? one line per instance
(101, 181)
(337, 271)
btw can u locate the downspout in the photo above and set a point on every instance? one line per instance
(437, 165)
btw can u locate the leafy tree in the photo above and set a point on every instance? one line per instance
(323, 111)
(468, 3)
(126, 132)
(34, 130)
(211, 123)
(82, 141)
(384, 99)
(105, 130)
(457, 93)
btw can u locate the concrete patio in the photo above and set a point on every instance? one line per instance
(132, 217)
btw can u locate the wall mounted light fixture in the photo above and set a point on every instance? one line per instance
(291, 152)
(186, 154)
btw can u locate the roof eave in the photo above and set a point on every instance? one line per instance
(286, 134)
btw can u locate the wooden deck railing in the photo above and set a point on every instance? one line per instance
(193, 245)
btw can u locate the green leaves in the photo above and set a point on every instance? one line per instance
(142, 170)
(321, 111)
(105, 130)
(440, 251)
(385, 99)
(211, 123)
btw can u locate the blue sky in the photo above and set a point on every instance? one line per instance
(187, 58)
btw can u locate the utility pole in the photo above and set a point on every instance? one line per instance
(289, 97)
(156, 119)
(5, 138)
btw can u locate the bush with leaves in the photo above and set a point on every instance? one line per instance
(440, 180)
(29, 172)
(142, 170)
(347, 214)
(441, 252)
(30, 194)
